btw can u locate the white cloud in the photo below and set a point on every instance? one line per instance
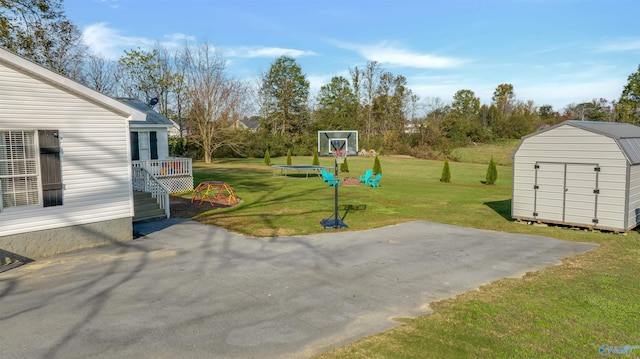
(317, 81)
(622, 45)
(392, 55)
(178, 38)
(562, 94)
(271, 52)
(111, 44)
(110, 3)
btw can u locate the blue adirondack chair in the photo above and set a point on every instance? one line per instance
(325, 175)
(367, 176)
(374, 182)
(332, 180)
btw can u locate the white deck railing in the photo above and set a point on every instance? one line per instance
(168, 167)
(145, 181)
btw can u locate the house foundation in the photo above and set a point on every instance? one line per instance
(45, 243)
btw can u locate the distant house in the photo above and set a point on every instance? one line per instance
(174, 130)
(249, 124)
(579, 173)
(67, 178)
(411, 127)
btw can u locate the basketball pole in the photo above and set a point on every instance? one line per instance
(335, 185)
(338, 147)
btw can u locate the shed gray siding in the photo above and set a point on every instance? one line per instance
(633, 203)
(568, 156)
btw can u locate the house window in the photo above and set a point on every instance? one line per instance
(18, 169)
(19, 172)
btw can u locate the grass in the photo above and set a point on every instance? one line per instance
(563, 311)
(501, 152)
(410, 190)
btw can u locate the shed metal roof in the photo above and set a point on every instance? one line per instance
(617, 130)
(626, 135)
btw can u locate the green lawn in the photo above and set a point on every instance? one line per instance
(481, 153)
(566, 311)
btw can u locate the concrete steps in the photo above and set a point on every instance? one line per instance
(146, 208)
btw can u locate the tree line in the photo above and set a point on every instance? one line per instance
(210, 106)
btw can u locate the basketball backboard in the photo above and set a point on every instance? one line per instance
(337, 140)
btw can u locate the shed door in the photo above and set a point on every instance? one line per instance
(580, 205)
(549, 192)
(566, 192)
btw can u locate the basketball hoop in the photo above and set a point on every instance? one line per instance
(339, 155)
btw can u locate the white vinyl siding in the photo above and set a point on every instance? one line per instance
(94, 152)
(579, 150)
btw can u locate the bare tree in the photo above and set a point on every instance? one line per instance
(366, 83)
(413, 107)
(99, 74)
(216, 101)
(180, 92)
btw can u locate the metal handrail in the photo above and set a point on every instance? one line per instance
(144, 181)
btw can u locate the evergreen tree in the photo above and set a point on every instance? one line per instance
(376, 166)
(628, 106)
(284, 95)
(344, 166)
(288, 157)
(492, 172)
(316, 160)
(446, 173)
(267, 157)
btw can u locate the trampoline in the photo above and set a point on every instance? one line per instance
(284, 169)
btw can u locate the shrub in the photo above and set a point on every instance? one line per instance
(288, 157)
(344, 166)
(376, 166)
(446, 173)
(267, 157)
(177, 146)
(492, 172)
(316, 160)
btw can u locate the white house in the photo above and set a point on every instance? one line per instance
(579, 173)
(65, 162)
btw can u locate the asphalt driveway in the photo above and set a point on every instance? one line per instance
(186, 290)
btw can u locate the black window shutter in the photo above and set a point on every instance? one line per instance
(153, 144)
(50, 168)
(135, 147)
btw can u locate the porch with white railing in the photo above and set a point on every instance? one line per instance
(175, 173)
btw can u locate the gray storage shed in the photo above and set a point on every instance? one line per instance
(579, 173)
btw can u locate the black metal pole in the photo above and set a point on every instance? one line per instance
(336, 181)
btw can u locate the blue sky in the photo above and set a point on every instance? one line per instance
(553, 52)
